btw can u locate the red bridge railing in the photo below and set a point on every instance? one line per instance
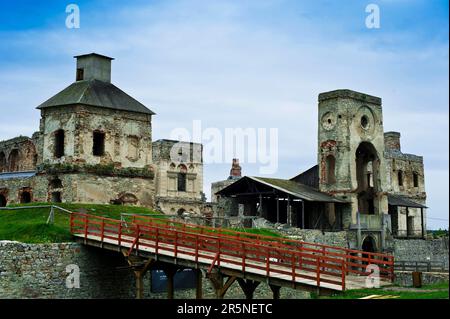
(267, 255)
(356, 261)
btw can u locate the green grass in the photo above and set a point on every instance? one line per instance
(29, 226)
(434, 291)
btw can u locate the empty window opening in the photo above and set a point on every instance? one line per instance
(330, 167)
(364, 121)
(25, 197)
(80, 74)
(56, 197)
(59, 143)
(56, 183)
(416, 179)
(3, 201)
(400, 178)
(99, 144)
(14, 160)
(181, 182)
(2, 162)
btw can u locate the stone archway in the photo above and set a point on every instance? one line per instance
(3, 201)
(180, 212)
(369, 244)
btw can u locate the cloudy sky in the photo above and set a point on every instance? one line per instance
(241, 64)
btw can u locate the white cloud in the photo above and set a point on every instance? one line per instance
(219, 62)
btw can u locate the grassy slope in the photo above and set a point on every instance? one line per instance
(435, 291)
(30, 226)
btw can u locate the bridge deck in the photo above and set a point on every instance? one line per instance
(290, 266)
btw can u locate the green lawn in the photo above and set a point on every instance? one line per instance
(30, 226)
(435, 291)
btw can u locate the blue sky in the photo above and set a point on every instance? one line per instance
(243, 64)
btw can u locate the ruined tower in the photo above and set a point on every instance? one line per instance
(92, 128)
(350, 152)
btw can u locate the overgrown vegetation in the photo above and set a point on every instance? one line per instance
(438, 233)
(99, 169)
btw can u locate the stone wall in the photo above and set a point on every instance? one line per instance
(420, 250)
(39, 271)
(404, 278)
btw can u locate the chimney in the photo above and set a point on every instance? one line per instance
(392, 141)
(93, 66)
(235, 171)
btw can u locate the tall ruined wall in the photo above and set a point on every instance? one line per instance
(18, 154)
(127, 136)
(172, 158)
(347, 119)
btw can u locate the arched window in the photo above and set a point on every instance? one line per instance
(182, 178)
(14, 160)
(2, 162)
(330, 167)
(59, 143)
(400, 178)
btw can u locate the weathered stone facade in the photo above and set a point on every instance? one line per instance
(179, 176)
(94, 145)
(39, 271)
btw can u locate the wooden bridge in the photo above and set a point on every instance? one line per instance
(224, 253)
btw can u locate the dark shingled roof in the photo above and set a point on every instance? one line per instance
(398, 200)
(96, 93)
(286, 186)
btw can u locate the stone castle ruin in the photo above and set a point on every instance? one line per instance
(363, 183)
(94, 145)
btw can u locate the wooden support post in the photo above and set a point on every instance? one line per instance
(303, 214)
(248, 287)
(219, 286)
(288, 213)
(275, 291)
(140, 267)
(170, 272)
(421, 219)
(260, 206)
(278, 209)
(407, 224)
(199, 285)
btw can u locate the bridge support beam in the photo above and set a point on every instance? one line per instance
(275, 291)
(170, 272)
(140, 267)
(219, 287)
(199, 284)
(248, 287)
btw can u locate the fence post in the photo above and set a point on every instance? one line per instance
(343, 270)
(268, 263)
(103, 230)
(318, 271)
(120, 234)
